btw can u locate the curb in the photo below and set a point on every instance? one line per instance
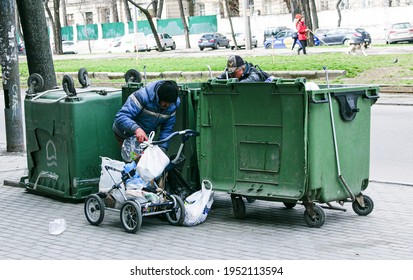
(194, 75)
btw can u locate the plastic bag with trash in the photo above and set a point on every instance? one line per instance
(131, 149)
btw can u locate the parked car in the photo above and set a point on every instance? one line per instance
(165, 40)
(319, 32)
(344, 36)
(129, 43)
(69, 47)
(213, 40)
(241, 43)
(270, 32)
(21, 49)
(399, 32)
(282, 39)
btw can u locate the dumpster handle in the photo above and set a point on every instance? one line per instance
(340, 176)
(210, 71)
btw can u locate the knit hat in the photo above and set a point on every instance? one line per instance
(234, 61)
(168, 92)
(298, 16)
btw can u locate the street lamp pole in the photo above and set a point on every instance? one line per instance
(247, 12)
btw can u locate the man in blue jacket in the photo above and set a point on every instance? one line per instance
(147, 109)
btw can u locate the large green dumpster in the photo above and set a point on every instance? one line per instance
(279, 142)
(185, 118)
(66, 136)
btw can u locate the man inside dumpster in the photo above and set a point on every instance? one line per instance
(245, 72)
(147, 109)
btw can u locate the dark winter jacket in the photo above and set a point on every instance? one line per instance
(250, 75)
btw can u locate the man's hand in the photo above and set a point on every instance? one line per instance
(140, 135)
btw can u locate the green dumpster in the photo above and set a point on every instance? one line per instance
(185, 119)
(66, 135)
(280, 142)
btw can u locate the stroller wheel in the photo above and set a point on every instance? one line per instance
(177, 215)
(131, 216)
(94, 209)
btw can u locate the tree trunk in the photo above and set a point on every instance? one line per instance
(230, 24)
(151, 24)
(11, 82)
(19, 26)
(37, 42)
(314, 15)
(296, 7)
(115, 11)
(57, 27)
(308, 21)
(57, 35)
(339, 13)
(127, 10)
(186, 30)
(64, 15)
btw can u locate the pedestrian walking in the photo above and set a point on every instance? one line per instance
(302, 33)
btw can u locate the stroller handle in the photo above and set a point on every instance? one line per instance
(186, 133)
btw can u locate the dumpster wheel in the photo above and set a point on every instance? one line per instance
(133, 76)
(131, 216)
(238, 206)
(177, 216)
(315, 219)
(35, 83)
(363, 210)
(82, 76)
(69, 85)
(94, 209)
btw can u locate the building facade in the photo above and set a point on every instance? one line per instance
(80, 12)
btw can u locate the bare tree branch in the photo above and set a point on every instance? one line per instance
(151, 24)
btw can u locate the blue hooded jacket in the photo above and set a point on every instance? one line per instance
(142, 110)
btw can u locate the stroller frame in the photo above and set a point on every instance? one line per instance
(133, 208)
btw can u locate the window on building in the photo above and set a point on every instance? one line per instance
(105, 15)
(324, 5)
(202, 9)
(284, 8)
(70, 19)
(251, 6)
(267, 7)
(89, 17)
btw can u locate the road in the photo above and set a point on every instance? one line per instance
(260, 51)
(391, 144)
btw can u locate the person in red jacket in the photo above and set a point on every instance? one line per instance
(302, 33)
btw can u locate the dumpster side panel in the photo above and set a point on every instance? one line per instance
(252, 139)
(353, 146)
(65, 140)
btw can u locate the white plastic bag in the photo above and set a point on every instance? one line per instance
(152, 162)
(198, 204)
(106, 182)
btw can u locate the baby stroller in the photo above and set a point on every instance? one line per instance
(151, 199)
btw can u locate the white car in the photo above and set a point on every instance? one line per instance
(240, 38)
(129, 43)
(165, 40)
(399, 32)
(69, 47)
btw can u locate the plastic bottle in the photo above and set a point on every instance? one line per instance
(57, 226)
